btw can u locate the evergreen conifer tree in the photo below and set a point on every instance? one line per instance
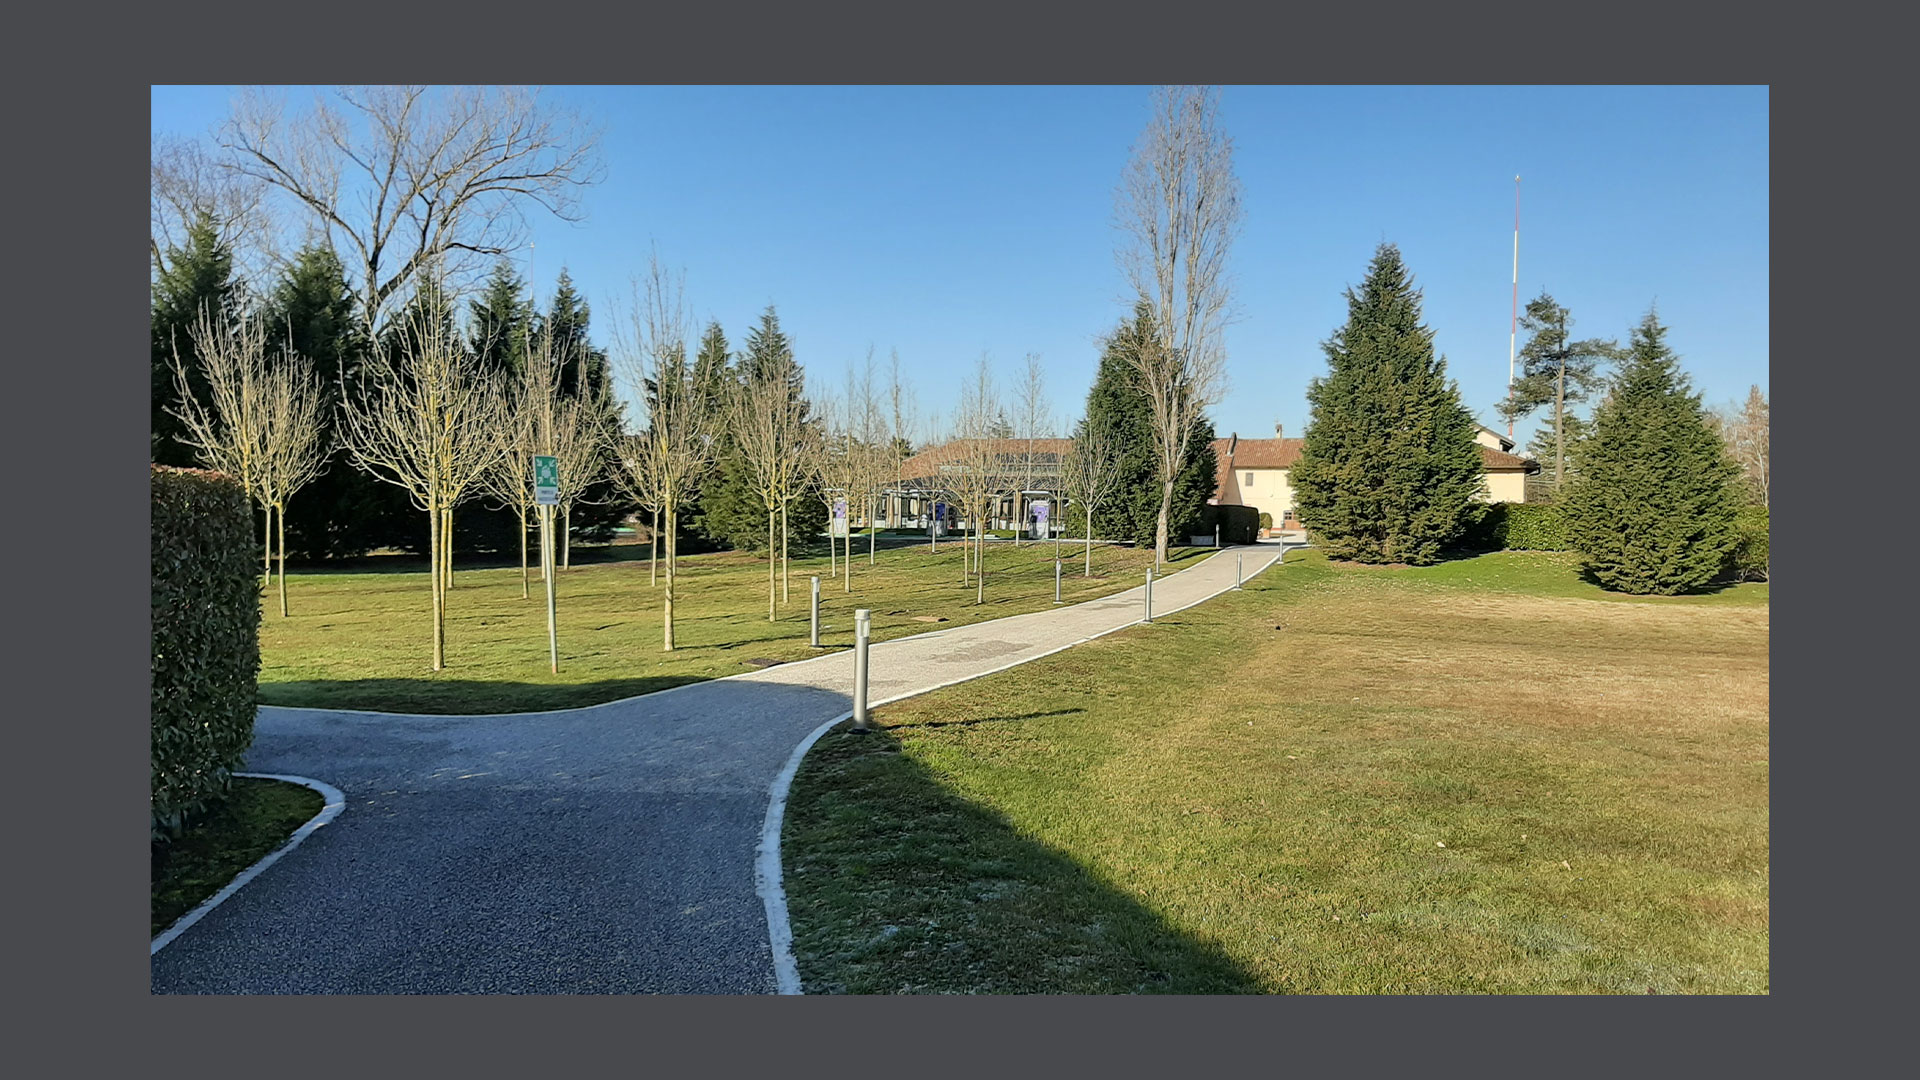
(1654, 506)
(1556, 375)
(500, 322)
(201, 273)
(730, 512)
(1389, 469)
(344, 511)
(1117, 406)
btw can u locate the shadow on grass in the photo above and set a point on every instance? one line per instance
(898, 884)
(972, 721)
(459, 697)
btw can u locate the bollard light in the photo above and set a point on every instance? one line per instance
(862, 629)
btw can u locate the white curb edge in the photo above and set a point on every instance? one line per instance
(767, 878)
(335, 802)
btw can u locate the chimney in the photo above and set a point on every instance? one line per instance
(1278, 431)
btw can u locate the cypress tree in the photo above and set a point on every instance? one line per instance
(199, 274)
(1117, 406)
(1389, 470)
(1654, 506)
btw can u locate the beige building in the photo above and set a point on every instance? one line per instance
(1253, 472)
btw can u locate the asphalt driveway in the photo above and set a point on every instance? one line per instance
(608, 849)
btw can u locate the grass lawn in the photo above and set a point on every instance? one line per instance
(362, 639)
(257, 818)
(1482, 777)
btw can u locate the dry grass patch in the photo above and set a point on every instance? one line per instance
(1421, 784)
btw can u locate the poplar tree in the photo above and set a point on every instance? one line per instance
(1654, 506)
(1389, 469)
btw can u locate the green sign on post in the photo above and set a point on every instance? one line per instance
(546, 480)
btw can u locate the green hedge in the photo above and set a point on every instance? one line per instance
(1518, 527)
(1266, 520)
(206, 640)
(1749, 559)
(1238, 524)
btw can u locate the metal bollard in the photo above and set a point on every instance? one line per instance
(1056, 579)
(816, 612)
(1239, 564)
(862, 627)
(1149, 596)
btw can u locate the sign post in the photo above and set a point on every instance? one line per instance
(546, 494)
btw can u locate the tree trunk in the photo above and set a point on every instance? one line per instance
(281, 510)
(873, 539)
(770, 561)
(1160, 528)
(1559, 435)
(980, 564)
(566, 541)
(524, 595)
(833, 568)
(434, 519)
(667, 605)
(266, 548)
(1089, 572)
(653, 550)
(786, 573)
(446, 548)
(847, 563)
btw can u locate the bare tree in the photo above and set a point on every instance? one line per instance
(1745, 429)
(187, 182)
(1091, 474)
(976, 473)
(426, 420)
(1034, 418)
(227, 430)
(401, 178)
(294, 438)
(773, 441)
(1179, 207)
(676, 444)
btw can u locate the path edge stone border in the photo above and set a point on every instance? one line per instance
(335, 803)
(767, 871)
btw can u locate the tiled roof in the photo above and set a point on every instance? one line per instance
(927, 462)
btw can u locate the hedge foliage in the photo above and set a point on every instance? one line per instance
(1518, 527)
(1266, 520)
(1238, 524)
(1749, 560)
(206, 640)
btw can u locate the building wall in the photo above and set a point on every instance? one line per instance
(1269, 492)
(1506, 487)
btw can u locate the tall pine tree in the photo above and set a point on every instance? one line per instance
(196, 275)
(1654, 506)
(1557, 374)
(586, 374)
(1389, 470)
(1118, 407)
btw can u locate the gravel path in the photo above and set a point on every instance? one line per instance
(608, 849)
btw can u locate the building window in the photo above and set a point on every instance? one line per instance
(1249, 480)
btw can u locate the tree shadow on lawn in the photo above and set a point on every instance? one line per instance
(459, 697)
(898, 884)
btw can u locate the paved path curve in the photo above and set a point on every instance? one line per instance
(608, 849)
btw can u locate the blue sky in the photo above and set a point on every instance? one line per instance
(950, 221)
